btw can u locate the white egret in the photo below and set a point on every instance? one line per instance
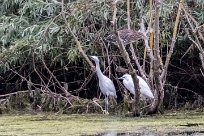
(105, 84)
(144, 88)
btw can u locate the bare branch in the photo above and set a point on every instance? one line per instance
(192, 29)
(202, 60)
(76, 39)
(134, 57)
(159, 91)
(164, 72)
(14, 93)
(132, 71)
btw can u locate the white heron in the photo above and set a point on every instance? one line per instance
(144, 88)
(105, 84)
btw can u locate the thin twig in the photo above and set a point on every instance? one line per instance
(14, 93)
(75, 38)
(164, 72)
(128, 63)
(134, 57)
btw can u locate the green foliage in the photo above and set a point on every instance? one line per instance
(28, 26)
(198, 10)
(30, 29)
(22, 30)
(36, 26)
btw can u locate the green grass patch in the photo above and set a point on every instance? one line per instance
(59, 125)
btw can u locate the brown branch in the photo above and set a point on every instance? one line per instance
(196, 42)
(192, 29)
(159, 92)
(134, 57)
(151, 42)
(34, 67)
(142, 29)
(148, 48)
(202, 72)
(202, 59)
(42, 56)
(87, 80)
(14, 93)
(136, 110)
(128, 14)
(201, 54)
(164, 72)
(55, 95)
(186, 51)
(56, 80)
(197, 28)
(108, 58)
(29, 82)
(22, 77)
(75, 38)
(114, 19)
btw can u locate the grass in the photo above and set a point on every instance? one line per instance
(63, 125)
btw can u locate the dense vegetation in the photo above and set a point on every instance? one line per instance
(42, 44)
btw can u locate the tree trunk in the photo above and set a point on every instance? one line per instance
(160, 72)
(159, 92)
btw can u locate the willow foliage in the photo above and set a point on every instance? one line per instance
(28, 26)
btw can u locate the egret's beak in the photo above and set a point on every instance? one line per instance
(90, 57)
(120, 78)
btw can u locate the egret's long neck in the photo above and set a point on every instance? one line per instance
(98, 70)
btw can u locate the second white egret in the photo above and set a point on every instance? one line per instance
(144, 88)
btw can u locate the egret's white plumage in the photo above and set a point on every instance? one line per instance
(105, 84)
(144, 88)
